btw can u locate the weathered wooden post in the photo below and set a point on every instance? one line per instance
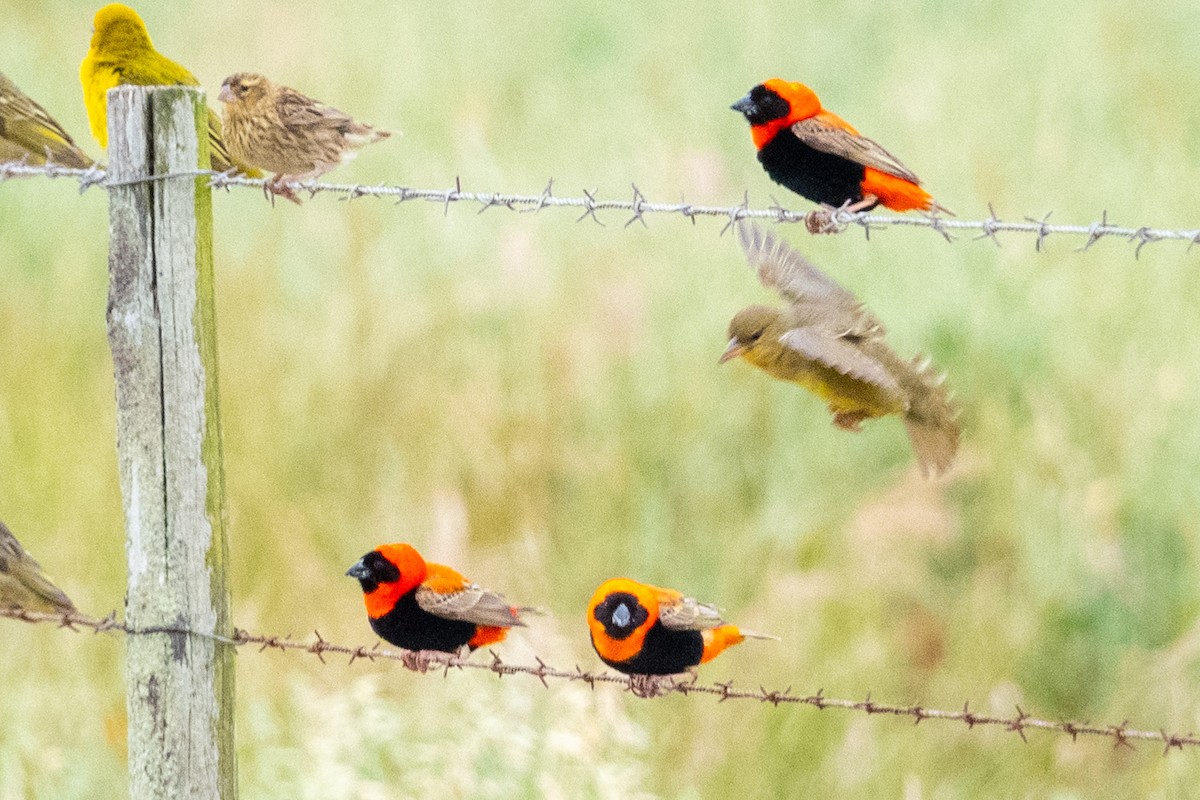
(162, 332)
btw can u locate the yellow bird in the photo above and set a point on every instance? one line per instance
(121, 54)
(278, 129)
(28, 132)
(830, 344)
(22, 582)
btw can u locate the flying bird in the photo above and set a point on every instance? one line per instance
(23, 584)
(641, 629)
(829, 343)
(122, 54)
(278, 129)
(418, 605)
(28, 132)
(820, 156)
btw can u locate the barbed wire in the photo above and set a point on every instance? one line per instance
(823, 220)
(1122, 735)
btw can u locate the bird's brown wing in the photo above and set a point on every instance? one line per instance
(841, 354)
(471, 604)
(25, 123)
(798, 280)
(297, 110)
(823, 133)
(686, 614)
(29, 585)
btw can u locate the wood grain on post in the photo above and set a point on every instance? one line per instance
(162, 331)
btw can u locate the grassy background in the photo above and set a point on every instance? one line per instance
(538, 402)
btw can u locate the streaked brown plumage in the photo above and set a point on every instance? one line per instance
(279, 129)
(28, 132)
(829, 343)
(22, 582)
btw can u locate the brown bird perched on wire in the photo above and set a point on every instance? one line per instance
(28, 132)
(830, 344)
(22, 582)
(276, 128)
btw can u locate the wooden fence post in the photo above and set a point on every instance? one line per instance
(162, 332)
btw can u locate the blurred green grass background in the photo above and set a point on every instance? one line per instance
(538, 401)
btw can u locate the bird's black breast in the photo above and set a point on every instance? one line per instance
(409, 626)
(816, 175)
(664, 652)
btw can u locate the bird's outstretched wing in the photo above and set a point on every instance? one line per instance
(840, 355)
(799, 281)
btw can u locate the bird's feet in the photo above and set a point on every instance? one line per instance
(827, 219)
(849, 420)
(649, 685)
(822, 220)
(276, 187)
(421, 660)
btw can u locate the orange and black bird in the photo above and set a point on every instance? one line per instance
(23, 584)
(641, 629)
(418, 605)
(820, 156)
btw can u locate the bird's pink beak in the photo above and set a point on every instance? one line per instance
(734, 350)
(226, 94)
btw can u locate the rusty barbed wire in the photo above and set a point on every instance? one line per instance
(822, 220)
(1122, 735)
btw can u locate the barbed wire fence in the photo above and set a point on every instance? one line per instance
(162, 333)
(589, 204)
(1122, 735)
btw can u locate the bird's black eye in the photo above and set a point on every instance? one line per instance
(382, 570)
(768, 106)
(754, 337)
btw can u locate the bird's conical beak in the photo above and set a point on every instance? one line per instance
(226, 94)
(359, 570)
(744, 106)
(734, 350)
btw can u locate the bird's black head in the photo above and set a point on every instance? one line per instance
(762, 105)
(372, 570)
(621, 614)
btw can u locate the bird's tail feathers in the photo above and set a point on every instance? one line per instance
(931, 419)
(756, 635)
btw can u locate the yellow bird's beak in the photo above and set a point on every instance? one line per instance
(734, 350)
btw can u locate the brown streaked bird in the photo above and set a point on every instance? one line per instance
(830, 344)
(276, 128)
(28, 132)
(23, 584)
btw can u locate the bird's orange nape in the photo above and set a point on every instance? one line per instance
(802, 102)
